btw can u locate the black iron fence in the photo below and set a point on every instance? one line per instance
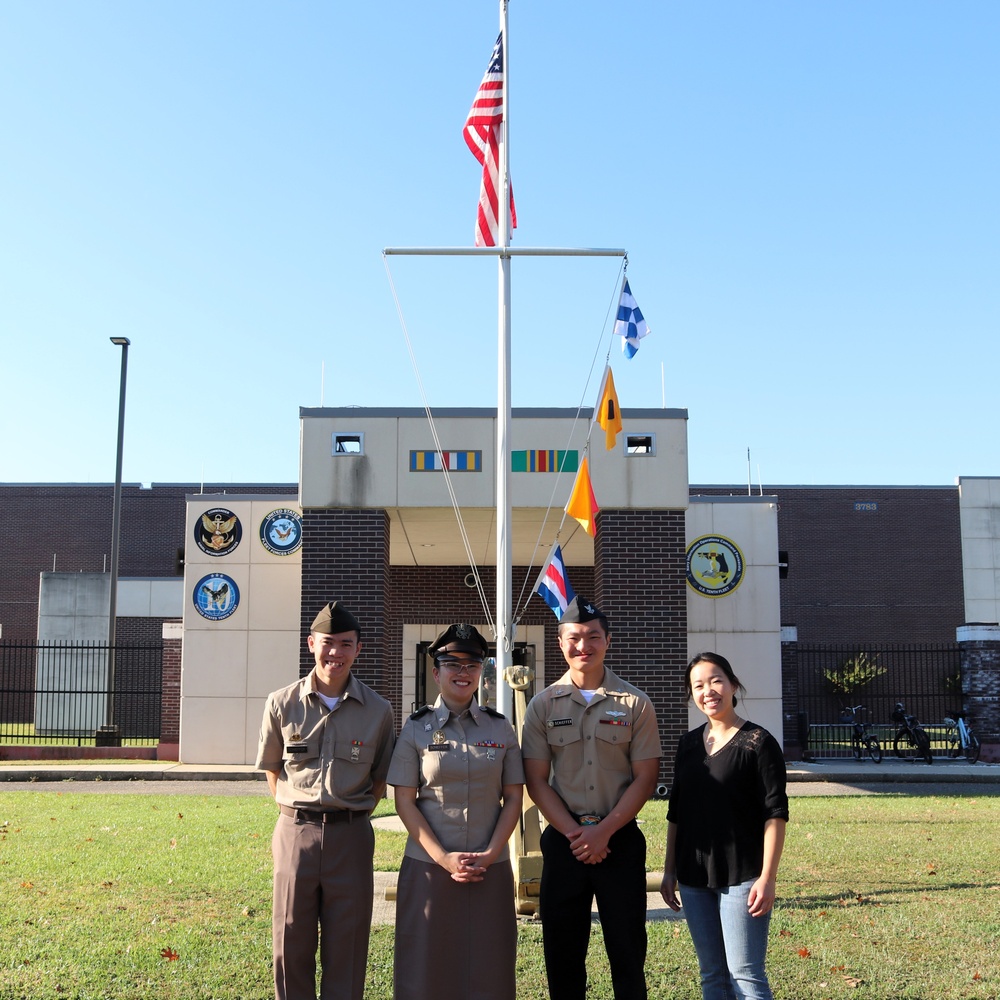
(56, 693)
(925, 678)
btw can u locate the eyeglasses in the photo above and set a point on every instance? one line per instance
(456, 666)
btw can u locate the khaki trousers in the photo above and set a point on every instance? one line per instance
(322, 896)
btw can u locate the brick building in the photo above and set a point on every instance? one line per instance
(66, 528)
(865, 564)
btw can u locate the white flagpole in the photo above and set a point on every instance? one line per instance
(505, 549)
(504, 252)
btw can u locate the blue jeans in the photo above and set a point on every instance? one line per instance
(730, 944)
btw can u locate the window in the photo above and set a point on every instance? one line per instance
(349, 444)
(640, 444)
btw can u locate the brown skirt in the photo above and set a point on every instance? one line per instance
(454, 941)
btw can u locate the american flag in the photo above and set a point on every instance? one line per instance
(482, 135)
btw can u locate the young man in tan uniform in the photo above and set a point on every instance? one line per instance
(591, 750)
(325, 743)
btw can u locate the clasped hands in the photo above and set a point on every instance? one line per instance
(467, 866)
(589, 844)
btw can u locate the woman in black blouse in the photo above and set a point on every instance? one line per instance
(725, 833)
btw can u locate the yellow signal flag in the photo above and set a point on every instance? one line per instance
(609, 414)
(582, 502)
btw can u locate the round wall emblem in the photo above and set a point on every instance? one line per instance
(714, 566)
(281, 532)
(218, 532)
(216, 596)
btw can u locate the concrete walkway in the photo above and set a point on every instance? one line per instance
(841, 771)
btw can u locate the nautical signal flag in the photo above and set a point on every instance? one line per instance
(608, 413)
(629, 324)
(553, 584)
(582, 502)
(482, 136)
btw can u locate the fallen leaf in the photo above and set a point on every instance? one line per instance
(169, 954)
(976, 977)
(804, 953)
(784, 934)
(851, 982)
(837, 968)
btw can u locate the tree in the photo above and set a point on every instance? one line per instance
(852, 675)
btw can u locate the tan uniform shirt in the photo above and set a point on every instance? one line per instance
(591, 747)
(459, 765)
(326, 759)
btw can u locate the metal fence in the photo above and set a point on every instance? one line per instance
(55, 693)
(925, 678)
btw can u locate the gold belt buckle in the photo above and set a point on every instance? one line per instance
(589, 820)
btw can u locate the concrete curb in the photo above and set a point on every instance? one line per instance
(143, 771)
(890, 770)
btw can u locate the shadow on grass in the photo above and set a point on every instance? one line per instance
(874, 897)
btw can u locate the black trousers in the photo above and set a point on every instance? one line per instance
(566, 895)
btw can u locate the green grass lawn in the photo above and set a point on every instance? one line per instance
(23, 734)
(168, 896)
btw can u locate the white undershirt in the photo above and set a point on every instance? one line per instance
(587, 695)
(330, 701)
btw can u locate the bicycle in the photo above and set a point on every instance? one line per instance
(911, 741)
(861, 741)
(961, 739)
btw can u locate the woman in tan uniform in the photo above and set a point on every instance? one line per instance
(458, 783)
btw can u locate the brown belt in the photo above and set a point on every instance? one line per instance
(321, 816)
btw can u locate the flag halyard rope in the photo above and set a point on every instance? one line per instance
(444, 467)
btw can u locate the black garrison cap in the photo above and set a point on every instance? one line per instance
(580, 610)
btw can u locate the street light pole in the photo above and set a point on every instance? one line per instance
(109, 730)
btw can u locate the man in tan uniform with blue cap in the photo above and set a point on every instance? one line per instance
(325, 743)
(591, 751)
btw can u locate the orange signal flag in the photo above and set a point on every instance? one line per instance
(582, 502)
(608, 412)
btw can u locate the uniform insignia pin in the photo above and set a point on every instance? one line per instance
(439, 736)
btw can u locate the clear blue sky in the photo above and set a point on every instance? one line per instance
(808, 193)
